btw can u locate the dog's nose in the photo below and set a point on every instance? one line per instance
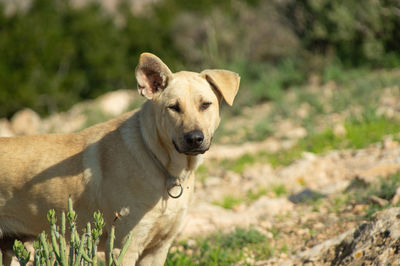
(194, 138)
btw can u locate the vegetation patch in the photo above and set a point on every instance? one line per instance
(240, 164)
(384, 189)
(222, 249)
(360, 132)
(253, 195)
(229, 202)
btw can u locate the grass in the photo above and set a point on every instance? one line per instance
(370, 129)
(239, 165)
(356, 94)
(279, 190)
(229, 202)
(259, 132)
(202, 173)
(360, 132)
(359, 192)
(222, 249)
(253, 195)
(339, 202)
(352, 89)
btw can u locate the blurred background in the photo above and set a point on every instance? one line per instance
(310, 148)
(56, 53)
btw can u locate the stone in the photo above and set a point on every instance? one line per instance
(375, 242)
(26, 122)
(339, 130)
(396, 197)
(206, 218)
(116, 102)
(305, 195)
(377, 200)
(270, 206)
(212, 181)
(5, 128)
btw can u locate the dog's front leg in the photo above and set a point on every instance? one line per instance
(130, 258)
(155, 255)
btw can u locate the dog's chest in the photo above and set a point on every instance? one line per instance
(165, 220)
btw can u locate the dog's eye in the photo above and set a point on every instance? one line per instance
(175, 107)
(204, 106)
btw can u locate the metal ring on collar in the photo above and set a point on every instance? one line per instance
(177, 196)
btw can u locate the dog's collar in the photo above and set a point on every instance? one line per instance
(172, 181)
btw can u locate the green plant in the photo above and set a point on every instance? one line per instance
(260, 131)
(369, 128)
(223, 249)
(339, 202)
(202, 173)
(240, 164)
(253, 195)
(21, 253)
(82, 249)
(279, 190)
(229, 202)
(384, 188)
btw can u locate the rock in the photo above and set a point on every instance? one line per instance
(357, 184)
(377, 200)
(206, 218)
(67, 122)
(305, 195)
(270, 206)
(297, 133)
(286, 129)
(339, 130)
(372, 243)
(389, 143)
(5, 128)
(26, 122)
(270, 144)
(396, 197)
(116, 102)
(308, 156)
(304, 110)
(212, 181)
(360, 208)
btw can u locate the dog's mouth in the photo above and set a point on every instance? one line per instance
(192, 152)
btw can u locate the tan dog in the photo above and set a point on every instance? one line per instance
(140, 164)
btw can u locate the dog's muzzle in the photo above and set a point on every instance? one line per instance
(193, 143)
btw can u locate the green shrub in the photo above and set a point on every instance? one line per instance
(54, 55)
(82, 249)
(224, 249)
(354, 33)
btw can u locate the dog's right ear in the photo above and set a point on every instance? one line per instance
(152, 75)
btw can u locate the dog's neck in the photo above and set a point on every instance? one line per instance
(177, 164)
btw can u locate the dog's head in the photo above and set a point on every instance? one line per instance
(186, 104)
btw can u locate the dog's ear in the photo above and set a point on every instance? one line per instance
(226, 82)
(152, 75)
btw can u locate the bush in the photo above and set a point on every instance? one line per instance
(356, 34)
(82, 249)
(54, 55)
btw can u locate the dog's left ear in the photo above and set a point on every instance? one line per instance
(226, 82)
(152, 75)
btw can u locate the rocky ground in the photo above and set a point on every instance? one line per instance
(313, 207)
(319, 189)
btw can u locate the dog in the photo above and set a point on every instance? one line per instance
(140, 165)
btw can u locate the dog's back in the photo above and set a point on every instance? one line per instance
(29, 169)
